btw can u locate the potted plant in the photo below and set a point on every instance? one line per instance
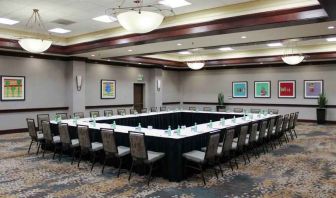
(321, 110)
(220, 105)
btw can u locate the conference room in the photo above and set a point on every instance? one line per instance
(167, 98)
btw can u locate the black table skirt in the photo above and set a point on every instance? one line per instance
(173, 163)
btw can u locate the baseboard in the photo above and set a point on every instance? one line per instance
(9, 131)
(314, 121)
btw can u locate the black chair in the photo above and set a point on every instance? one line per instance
(262, 135)
(67, 142)
(111, 149)
(132, 111)
(273, 111)
(40, 118)
(108, 113)
(144, 110)
(270, 132)
(207, 109)
(277, 131)
(252, 138)
(153, 109)
(255, 110)
(285, 127)
(63, 116)
(163, 108)
(291, 126)
(49, 139)
(78, 115)
(204, 158)
(192, 108)
(34, 135)
(240, 147)
(140, 155)
(121, 111)
(296, 117)
(86, 146)
(238, 110)
(94, 114)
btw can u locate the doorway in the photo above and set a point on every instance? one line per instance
(138, 96)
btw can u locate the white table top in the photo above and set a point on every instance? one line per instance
(187, 132)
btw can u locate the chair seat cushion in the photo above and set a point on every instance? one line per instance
(74, 143)
(219, 149)
(96, 146)
(40, 136)
(234, 145)
(195, 156)
(123, 150)
(154, 156)
(56, 139)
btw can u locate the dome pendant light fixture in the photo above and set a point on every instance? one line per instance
(291, 55)
(140, 18)
(35, 44)
(195, 62)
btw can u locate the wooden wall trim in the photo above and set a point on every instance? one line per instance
(34, 109)
(171, 103)
(9, 131)
(259, 104)
(108, 106)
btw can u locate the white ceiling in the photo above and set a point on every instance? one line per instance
(82, 12)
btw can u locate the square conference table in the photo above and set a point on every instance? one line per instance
(157, 139)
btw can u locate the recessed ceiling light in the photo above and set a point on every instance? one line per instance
(8, 21)
(179, 44)
(140, 63)
(243, 37)
(274, 44)
(331, 27)
(175, 3)
(332, 39)
(226, 49)
(185, 52)
(105, 19)
(130, 50)
(59, 30)
(93, 55)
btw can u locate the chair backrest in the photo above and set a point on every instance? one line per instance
(227, 141)
(31, 128)
(83, 136)
(132, 111)
(255, 110)
(242, 136)
(40, 118)
(63, 116)
(253, 132)
(153, 109)
(212, 147)
(192, 108)
(121, 111)
(94, 114)
(63, 131)
(291, 120)
(284, 127)
(163, 108)
(270, 127)
(207, 109)
(263, 128)
(273, 111)
(46, 131)
(138, 146)
(79, 114)
(238, 110)
(278, 125)
(108, 113)
(144, 110)
(296, 119)
(109, 142)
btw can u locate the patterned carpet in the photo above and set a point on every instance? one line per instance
(304, 168)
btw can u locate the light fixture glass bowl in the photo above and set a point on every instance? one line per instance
(35, 45)
(195, 65)
(140, 22)
(293, 59)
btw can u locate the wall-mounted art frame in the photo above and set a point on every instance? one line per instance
(262, 89)
(313, 88)
(286, 89)
(13, 88)
(107, 89)
(240, 89)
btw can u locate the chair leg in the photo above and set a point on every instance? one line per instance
(44, 150)
(102, 171)
(244, 159)
(38, 148)
(295, 133)
(93, 160)
(220, 167)
(236, 163)
(201, 168)
(231, 164)
(215, 171)
(130, 174)
(73, 155)
(61, 154)
(120, 163)
(55, 148)
(248, 158)
(30, 146)
(80, 158)
(150, 173)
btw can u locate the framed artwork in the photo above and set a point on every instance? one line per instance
(313, 88)
(240, 89)
(12, 88)
(262, 89)
(108, 89)
(286, 89)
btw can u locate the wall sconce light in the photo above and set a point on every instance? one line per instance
(79, 82)
(158, 85)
